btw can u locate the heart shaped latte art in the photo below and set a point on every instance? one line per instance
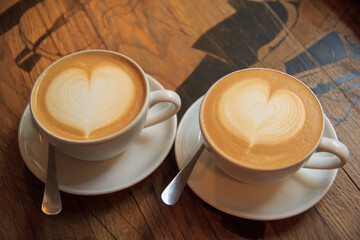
(90, 102)
(257, 115)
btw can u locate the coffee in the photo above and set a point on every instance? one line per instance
(261, 118)
(89, 95)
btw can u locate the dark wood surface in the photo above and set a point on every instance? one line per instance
(186, 46)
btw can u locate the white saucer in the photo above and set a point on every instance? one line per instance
(93, 178)
(258, 202)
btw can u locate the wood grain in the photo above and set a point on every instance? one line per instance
(186, 46)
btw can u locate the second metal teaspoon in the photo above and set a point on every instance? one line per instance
(173, 191)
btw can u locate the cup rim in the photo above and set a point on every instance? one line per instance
(216, 149)
(105, 139)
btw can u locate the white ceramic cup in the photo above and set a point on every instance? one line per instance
(114, 144)
(259, 176)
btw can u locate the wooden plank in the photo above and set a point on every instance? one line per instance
(11, 100)
(68, 26)
(120, 214)
(326, 219)
(190, 217)
(17, 80)
(340, 206)
(7, 4)
(13, 220)
(308, 225)
(227, 226)
(181, 221)
(330, 37)
(158, 35)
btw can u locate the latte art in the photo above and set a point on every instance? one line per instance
(255, 116)
(258, 116)
(89, 102)
(89, 95)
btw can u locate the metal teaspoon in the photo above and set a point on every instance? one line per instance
(51, 204)
(173, 191)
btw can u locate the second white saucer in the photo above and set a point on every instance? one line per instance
(93, 178)
(252, 201)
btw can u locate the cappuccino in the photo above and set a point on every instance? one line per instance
(261, 118)
(88, 96)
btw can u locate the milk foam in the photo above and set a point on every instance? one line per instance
(259, 116)
(89, 102)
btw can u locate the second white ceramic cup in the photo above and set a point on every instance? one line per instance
(258, 175)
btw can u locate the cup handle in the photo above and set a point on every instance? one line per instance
(332, 146)
(165, 113)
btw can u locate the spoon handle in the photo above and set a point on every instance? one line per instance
(173, 191)
(51, 204)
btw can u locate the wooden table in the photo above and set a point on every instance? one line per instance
(186, 46)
